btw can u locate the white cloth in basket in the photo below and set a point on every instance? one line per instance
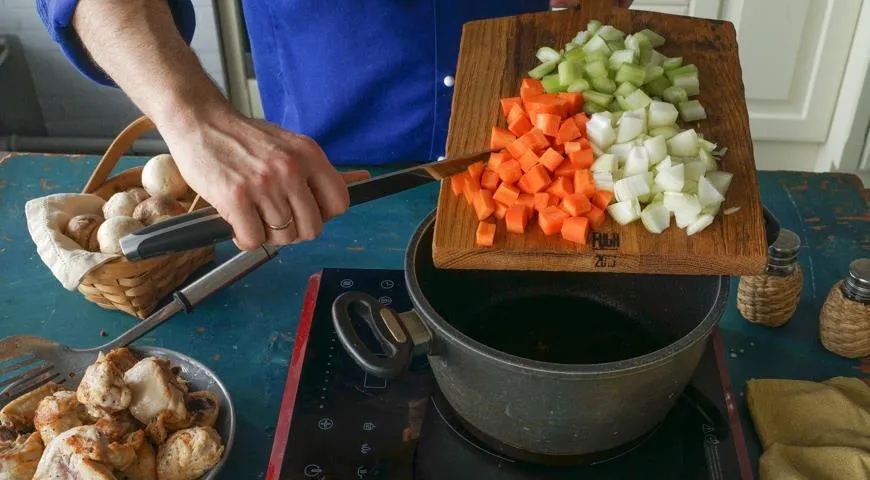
(46, 219)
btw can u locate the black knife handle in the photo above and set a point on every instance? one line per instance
(189, 231)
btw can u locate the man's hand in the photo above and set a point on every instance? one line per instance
(272, 186)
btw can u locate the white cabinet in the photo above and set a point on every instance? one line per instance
(804, 70)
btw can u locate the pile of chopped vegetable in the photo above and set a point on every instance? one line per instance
(593, 130)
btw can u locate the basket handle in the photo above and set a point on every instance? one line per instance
(121, 144)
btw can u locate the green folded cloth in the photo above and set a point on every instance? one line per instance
(812, 430)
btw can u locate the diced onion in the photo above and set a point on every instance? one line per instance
(655, 218)
(699, 224)
(625, 212)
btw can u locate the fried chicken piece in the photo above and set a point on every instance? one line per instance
(156, 400)
(189, 453)
(56, 414)
(102, 389)
(117, 426)
(145, 465)
(76, 454)
(203, 408)
(20, 411)
(9, 427)
(122, 455)
(122, 358)
(19, 457)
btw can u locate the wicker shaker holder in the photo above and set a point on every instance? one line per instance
(844, 322)
(772, 297)
(136, 287)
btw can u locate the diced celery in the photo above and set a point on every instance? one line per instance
(620, 57)
(675, 95)
(667, 132)
(654, 38)
(616, 45)
(570, 46)
(691, 111)
(624, 89)
(602, 99)
(569, 72)
(688, 83)
(548, 54)
(552, 85)
(633, 74)
(603, 84)
(581, 38)
(652, 72)
(575, 54)
(590, 108)
(596, 44)
(637, 42)
(637, 99)
(579, 86)
(672, 63)
(542, 69)
(610, 33)
(658, 86)
(593, 26)
(656, 58)
(596, 69)
(685, 70)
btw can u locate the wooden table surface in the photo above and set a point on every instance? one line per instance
(245, 332)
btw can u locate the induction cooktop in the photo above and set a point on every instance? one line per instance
(337, 422)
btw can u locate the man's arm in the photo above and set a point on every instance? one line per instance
(254, 173)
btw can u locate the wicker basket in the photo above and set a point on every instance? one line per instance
(136, 287)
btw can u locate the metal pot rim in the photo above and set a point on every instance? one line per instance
(444, 329)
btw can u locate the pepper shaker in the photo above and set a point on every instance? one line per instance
(772, 297)
(844, 322)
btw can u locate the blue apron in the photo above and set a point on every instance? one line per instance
(370, 80)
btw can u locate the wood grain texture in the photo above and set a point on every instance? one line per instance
(495, 55)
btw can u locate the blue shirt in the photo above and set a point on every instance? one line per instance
(365, 78)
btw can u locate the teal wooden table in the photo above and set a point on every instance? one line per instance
(245, 332)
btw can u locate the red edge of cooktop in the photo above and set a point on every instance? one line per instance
(291, 387)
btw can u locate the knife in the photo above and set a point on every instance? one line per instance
(205, 226)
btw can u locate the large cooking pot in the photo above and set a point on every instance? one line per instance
(553, 364)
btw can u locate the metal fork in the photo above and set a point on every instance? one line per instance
(28, 362)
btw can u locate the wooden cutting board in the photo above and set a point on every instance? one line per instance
(495, 55)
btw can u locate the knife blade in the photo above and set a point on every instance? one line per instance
(205, 226)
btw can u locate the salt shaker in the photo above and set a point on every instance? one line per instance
(772, 297)
(844, 323)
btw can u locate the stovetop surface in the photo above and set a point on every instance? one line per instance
(337, 422)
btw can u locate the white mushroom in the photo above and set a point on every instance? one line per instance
(149, 211)
(139, 194)
(189, 453)
(120, 204)
(161, 176)
(110, 233)
(83, 230)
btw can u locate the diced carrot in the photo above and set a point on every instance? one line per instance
(520, 126)
(551, 159)
(576, 204)
(584, 144)
(496, 159)
(581, 119)
(509, 171)
(595, 216)
(489, 180)
(484, 205)
(584, 183)
(516, 112)
(506, 194)
(574, 100)
(558, 148)
(518, 147)
(582, 158)
(550, 220)
(530, 88)
(485, 236)
(566, 169)
(527, 200)
(476, 170)
(568, 131)
(507, 103)
(602, 199)
(537, 179)
(535, 140)
(561, 187)
(572, 147)
(500, 138)
(457, 183)
(575, 229)
(548, 123)
(516, 219)
(544, 200)
(528, 160)
(500, 210)
(472, 187)
(546, 103)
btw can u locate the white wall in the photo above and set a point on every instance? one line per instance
(73, 105)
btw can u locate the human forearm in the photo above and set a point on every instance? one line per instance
(141, 49)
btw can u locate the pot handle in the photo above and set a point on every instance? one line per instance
(388, 330)
(771, 226)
